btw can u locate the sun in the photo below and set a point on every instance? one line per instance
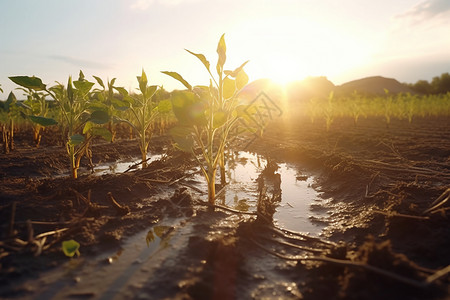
(285, 70)
(291, 49)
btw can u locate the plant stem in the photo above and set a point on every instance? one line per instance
(211, 185)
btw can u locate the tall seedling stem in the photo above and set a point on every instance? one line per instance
(206, 115)
(143, 112)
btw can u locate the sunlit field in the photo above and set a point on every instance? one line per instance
(241, 172)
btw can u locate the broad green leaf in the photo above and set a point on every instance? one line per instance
(222, 52)
(43, 121)
(201, 57)
(99, 117)
(182, 137)
(97, 105)
(220, 118)
(83, 87)
(122, 91)
(70, 248)
(76, 139)
(120, 104)
(87, 127)
(99, 81)
(164, 106)
(151, 90)
(178, 77)
(188, 108)
(229, 88)
(241, 80)
(102, 132)
(33, 83)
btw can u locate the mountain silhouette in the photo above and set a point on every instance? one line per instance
(374, 85)
(321, 87)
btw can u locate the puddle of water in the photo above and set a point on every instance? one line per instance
(109, 274)
(294, 212)
(121, 273)
(122, 166)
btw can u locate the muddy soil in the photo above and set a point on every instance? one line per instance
(383, 238)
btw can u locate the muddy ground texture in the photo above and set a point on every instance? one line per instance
(387, 229)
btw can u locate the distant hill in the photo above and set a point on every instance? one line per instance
(303, 90)
(298, 90)
(309, 87)
(374, 86)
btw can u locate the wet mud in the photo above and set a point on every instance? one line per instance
(378, 205)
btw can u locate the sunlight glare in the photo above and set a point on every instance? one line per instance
(290, 49)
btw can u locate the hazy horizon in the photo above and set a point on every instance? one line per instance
(284, 40)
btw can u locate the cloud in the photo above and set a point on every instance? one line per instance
(424, 11)
(79, 62)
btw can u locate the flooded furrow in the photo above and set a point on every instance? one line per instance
(132, 271)
(294, 211)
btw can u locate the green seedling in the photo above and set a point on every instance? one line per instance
(143, 112)
(36, 109)
(106, 99)
(12, 113)
(355, 107)
(80, 121)
(329, 111)
(71, 248)
(206, 115)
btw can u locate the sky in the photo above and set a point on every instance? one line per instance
(285, 40)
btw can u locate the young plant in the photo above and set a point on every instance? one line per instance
(206, 114)
(388, 107)
(80, 120)
(71, 248)
(144, 111)
(105, 99)
(12, 113)
(356, 108)
(36, 110)
(329, 111)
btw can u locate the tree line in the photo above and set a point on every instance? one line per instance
(438, 85)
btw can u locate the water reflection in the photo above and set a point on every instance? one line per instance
(157, 233)
(290, 188)
(122, 166)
